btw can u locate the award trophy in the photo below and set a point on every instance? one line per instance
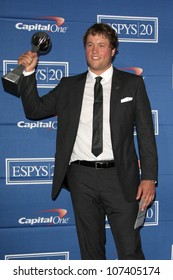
(11, 81)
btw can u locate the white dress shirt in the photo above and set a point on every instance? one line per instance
(82, 146)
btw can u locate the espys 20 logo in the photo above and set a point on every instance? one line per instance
(48, 73)
(24, 171)
(133, 29)
(152, 215)
(39, 256)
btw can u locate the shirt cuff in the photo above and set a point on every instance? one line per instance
(25, 73)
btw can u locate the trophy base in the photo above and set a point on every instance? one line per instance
(11, 83)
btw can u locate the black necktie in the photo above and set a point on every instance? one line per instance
(97, 140)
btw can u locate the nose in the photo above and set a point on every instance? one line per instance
(95, 49)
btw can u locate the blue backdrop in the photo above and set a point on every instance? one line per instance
(31, 225)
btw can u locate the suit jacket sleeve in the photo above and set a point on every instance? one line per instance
(37, 107)
(145, 134)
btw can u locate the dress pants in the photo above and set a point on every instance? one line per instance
(96, 193)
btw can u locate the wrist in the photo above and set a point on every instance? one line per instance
(27, 73)
(154, 182)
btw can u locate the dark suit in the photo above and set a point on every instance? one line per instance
(65, 101)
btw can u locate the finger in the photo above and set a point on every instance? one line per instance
(139, 193)
(147, 199)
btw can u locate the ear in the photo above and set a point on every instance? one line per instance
(113, 52)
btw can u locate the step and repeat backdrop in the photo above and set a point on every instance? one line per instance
(32, 226)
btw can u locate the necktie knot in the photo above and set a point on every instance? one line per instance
(98, 79)
(98, 91)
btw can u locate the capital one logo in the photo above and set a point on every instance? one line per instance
(23, 171)
(133, 29)
(48, 73)
(37, 124)
(50, 219)
(55, 27)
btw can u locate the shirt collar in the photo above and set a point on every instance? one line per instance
(107, 75)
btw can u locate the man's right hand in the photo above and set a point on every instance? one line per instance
(29, 60)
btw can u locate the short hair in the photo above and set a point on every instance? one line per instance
(103, 29)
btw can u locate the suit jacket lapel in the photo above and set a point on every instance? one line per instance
(78, 91)
(115, 106)
(115, 92)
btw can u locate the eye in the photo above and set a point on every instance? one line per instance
(102, 46)
(89, 45)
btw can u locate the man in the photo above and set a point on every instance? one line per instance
(106, 182)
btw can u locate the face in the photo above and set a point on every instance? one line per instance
(98, 53)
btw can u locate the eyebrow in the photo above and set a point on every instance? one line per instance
(99, 43)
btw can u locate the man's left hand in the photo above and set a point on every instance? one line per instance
(146, 192)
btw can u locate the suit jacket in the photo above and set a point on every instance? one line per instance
(129, 106)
